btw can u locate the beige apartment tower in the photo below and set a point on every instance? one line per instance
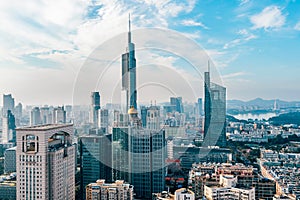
(45, 162)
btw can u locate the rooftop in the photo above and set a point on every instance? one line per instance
(8, 184)
(12, 148)
(184, 191)
(44, 127)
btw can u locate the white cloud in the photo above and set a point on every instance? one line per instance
(39, 34)
(233, 75)
(65, 25)
(297, 26)
(270, 17)
(236, 82)
(191, 22)
(222, 59)
(32, 27)
(242, 2)
(168, 7)
(244, 36)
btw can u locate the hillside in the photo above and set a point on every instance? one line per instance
(287, 118)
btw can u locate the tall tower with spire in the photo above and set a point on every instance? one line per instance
(129, 73)
(215, 112)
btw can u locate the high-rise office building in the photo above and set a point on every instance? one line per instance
(138, 154)
(69, 113)
(129, 74)
(10, 160)
(103, 119)
(120, 119)
(8, 103)
(35, 116)
(215, 113)
(8, 128)
(96, 158)
(147, 161)
(95, 107)
(177, 102)
(59, 115)
(19, 111)
(120, 153)
(45, 162)
(46, 116)
(153, 118)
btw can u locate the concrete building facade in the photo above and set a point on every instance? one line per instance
(45, 162)
(108, 191)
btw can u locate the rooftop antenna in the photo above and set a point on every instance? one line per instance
(129, 29)
(208, 65)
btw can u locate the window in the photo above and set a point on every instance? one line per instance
(29, 144)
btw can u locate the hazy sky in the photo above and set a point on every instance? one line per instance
(254, 45)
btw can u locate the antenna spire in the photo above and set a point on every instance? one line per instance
(208, 66)
(129, 29)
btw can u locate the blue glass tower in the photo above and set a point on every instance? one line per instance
(129, 73)
(215, 113)
(177, 102)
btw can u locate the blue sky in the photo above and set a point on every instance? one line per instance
(254, 44)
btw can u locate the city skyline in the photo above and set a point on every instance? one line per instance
(252, 44)
(149, 99)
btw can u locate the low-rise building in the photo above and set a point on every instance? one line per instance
(164, 195)
(107, 191)
(8, 188)
(184, 194)
(220, 193)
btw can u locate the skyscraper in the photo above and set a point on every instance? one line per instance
(138, 154)
(147, 161)
(45, 162)
(95, 107)
(129, 73)
(8, 104)
(18, 111)
(35, 116)
(96, 158)
(177, 102)
(153, 118)
(215, 113)
(103, 119)
(120, 153)
(46, 116)
(59, 115)
(8, 128)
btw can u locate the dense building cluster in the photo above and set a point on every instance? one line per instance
(174, 150)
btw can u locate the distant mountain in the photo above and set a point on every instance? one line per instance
(259, 103)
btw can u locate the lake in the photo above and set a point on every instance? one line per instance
(255, 116)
